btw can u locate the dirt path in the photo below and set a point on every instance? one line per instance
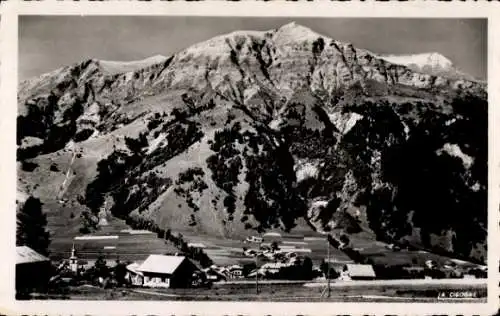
(335, 283)
(155, 293)
(249, 281)
(67, 175)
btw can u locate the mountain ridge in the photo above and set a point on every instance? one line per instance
(296, 32)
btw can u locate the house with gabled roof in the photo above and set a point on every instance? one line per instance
(32, 270)
(167, 271)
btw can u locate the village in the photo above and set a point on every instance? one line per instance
(266, 259)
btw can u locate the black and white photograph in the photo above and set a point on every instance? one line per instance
(252, 159)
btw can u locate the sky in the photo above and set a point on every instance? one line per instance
(49, 42)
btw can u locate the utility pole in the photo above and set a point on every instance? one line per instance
(257, 271)
(327, 273)
(328, 266)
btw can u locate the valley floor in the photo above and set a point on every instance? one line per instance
(295, 291)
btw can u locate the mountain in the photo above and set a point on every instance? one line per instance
(257, 131)
(429, 63)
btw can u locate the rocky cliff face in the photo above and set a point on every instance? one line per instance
(255, 130)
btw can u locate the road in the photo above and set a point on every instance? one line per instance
(408, 282)
(249, 281)
(444, 282)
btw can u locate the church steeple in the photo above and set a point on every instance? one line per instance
(73, 256)
(73, 260)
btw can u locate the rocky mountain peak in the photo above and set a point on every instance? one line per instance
(432, 63)
(437, 59)
(432, 59)
(294, 33)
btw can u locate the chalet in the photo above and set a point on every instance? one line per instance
(269, 254)
(290, 255)
(414, 271)
(167, 271)
(254, 239)
(236, 271)
(198, 245)
(431, 264)
(250, 253)
(393, 247)
(358, 272)
(453, 273)
(265, 246)
(272, 236)
(449, 265)
(215, 274)
(273, 268)
(338, 267)
(32, 270)
(256, 273)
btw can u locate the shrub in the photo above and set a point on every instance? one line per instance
(318, 46)
(83, 135)
(229, 203)
(136, 145)
(28, 166)
(154, 123)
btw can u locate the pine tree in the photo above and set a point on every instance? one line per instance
(31, 224)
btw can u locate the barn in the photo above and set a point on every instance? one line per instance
(32, 271)
(167, 271)
(358, 272)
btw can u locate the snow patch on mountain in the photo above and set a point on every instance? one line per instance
(429, 63)
(421, 60)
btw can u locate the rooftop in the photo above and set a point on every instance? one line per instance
(133, 268)
(25, 254)
(360, 270)
(161, 264)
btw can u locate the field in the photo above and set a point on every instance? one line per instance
(380, 254)
(230, 251)
(293, 291)
(314, 245)
(127, 247)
